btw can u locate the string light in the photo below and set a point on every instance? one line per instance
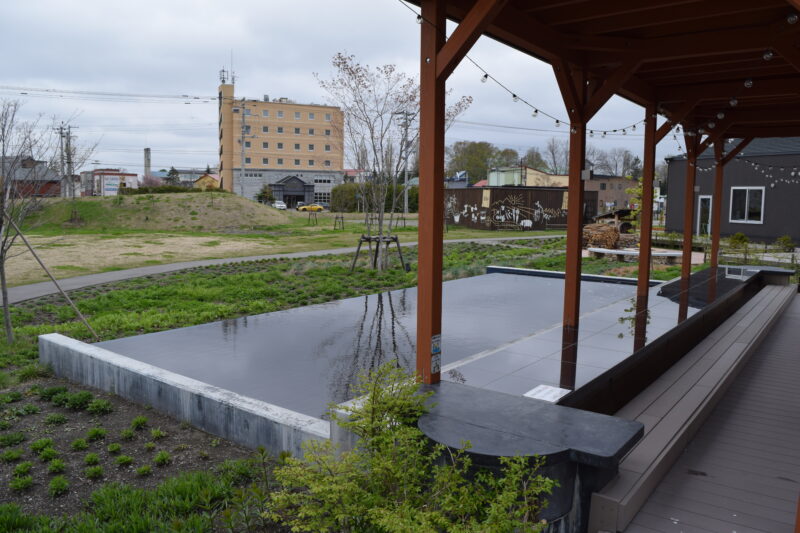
(484, 78)
(792, 18)
(733, 102)
(768, 55)
(515, 97)
(535, 113)
(748, 83)
(558, 123)
(720, 115)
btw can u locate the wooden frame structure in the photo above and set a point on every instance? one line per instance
(715, 68)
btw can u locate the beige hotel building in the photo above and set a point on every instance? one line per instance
(295, 148)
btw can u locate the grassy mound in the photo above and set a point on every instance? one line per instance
(191, 211)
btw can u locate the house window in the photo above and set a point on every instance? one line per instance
(311, 131)
(327, 163)
(747, 205)
(327, 132)
(247, 111)
(327, 147)
(264, 145)
(264, 129)
(265, 113)
(297, 162)
(280, 129)
(247, 144)
(247, 129)
(328, 117)
(311, 162)
(297, 115)
(280, 114)
(246, 160)
(602, 186)
(619, 186)
(297, 146)
(310, 147)
(265, 160)
(280, 160)
(311, 116)
(280, 146)
(235, 109)
(297, 131)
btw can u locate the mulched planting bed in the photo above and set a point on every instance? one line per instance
(176, 447)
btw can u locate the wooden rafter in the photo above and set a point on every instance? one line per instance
(611, 85)
(465, 35)
(736, 150)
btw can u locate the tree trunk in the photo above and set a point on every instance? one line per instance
(6, 304)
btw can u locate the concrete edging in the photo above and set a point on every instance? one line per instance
(238, 418)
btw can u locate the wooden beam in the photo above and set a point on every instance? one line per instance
(675, 118)
(431, 207)
(727, 89)
(787, 48)
(715, 134)
(645, 228)
(611, 85)
(735, 150)
(573, 100)
(466, 34)
(688, 218)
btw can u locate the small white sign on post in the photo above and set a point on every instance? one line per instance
(547, 393)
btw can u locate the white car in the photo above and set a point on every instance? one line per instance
(279, 205)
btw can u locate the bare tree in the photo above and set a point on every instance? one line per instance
(619, 162)
(28, 163)
(556, 155)
(380, 107)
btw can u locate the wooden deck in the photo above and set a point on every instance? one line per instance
(741, 471)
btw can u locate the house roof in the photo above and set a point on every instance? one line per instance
(765, 146)
(481, 183)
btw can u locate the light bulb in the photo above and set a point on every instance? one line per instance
(535, 113)
(633, 128)
(624, 131)
(419, 19)
(677, 129)
(768, 55)
(604, 135)
(792, 18)
(558, 123)
(720, 115)
(748, 83)
(573, 131)
(591, 133)
(515, 97)
(701, 131)
(484, 78)
(733, 102)
(712, 124)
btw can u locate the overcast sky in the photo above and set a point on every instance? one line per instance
(178, 47)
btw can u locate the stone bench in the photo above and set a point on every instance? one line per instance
(669, 256)
(674, 406)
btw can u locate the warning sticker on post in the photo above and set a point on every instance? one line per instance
(436, 354)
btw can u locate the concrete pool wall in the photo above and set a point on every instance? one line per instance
(224, 413)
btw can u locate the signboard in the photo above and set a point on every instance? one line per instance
(547, 393)
(436, 354)
(110, 185)
(565, 200)
(486, 200)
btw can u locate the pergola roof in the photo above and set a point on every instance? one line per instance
(691, 57)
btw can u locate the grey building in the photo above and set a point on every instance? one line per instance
(761, 191)
(286, 186)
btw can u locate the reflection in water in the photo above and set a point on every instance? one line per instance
(379, 337)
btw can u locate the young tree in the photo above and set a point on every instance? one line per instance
(556, 154)
(380, 107)
(507, 157)
(474, 157)
(533, 159)
(173, 178)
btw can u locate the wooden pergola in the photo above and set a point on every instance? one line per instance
(715, 69)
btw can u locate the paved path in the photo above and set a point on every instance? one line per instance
(35, 290)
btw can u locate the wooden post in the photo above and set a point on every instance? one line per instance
(431, 193)
(688, 218)
(572, 277)
(645, 228)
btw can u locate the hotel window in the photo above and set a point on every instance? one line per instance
(280, 129)
(747, 205)
(327, 147)
(327, 163)
(311, 116)
(235, 109)
(280, 114)
(327, 132)
(311, 162)
(265, 113)
(280, 146)
(310, 147)
(265, 160)
(264, 129)
(297, 146)
(280, 161)
(297, 131)
(297, 162)
(328, 117)
(246, 160)
(247, 129)
(297, 115)
(264, 145)
(247, 144)
(311, 131)
(247, 111)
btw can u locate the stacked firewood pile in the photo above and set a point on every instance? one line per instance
(600, 236)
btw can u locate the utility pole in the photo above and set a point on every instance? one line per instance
(69, 162)
(60, 130)
(405, 148)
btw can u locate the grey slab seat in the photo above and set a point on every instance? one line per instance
(674, 407)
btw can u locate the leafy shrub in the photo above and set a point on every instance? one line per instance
(91, 459)
(41, 444)
(149, 446)
(126, 434)
(100, 407)
(114, 448)
(56, 466)
(30, 409)
(738, 240)
(96, 433)
(48, 393)
(162, 458)
(21, 483)
(156, 434)
(79, 400)
(31, 371)
(48, 454)
(145, 470)
(55, 419)
(4, 425)
(11, 397)
(10, 456)
(58, 486)
(395, 480)
(785, 243)
(139, 422)
(11, 439)
(124, 460)
(61, 399)
(23, 469)
(79, 444)
(94, 472)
